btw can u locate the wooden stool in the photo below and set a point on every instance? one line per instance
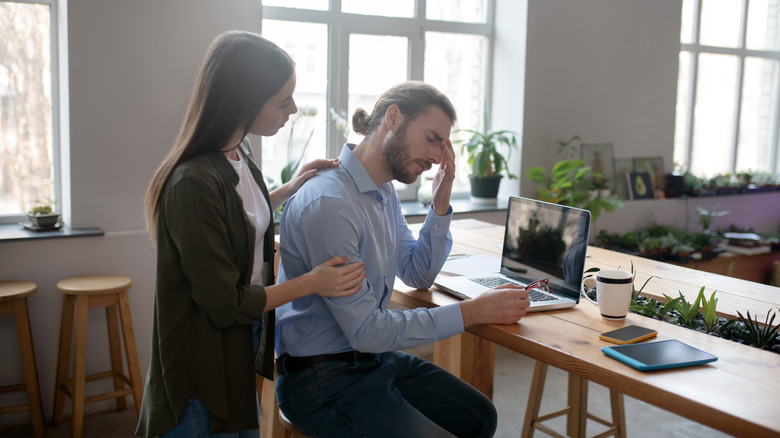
(577, 411)
(292, 430)
(79, 295)
(13, 300)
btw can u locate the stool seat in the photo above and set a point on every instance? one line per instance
(94, 284)
(293, 429)
(13, 301)
(79, 295)
(14, 290)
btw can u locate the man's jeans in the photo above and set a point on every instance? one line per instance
(393, 395)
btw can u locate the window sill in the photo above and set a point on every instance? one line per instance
(13, 232)
(415, 208)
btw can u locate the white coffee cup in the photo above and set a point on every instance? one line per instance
(613, 293)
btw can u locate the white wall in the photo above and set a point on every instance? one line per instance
(132, 69)
(605, 70)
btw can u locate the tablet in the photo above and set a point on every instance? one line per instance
(659, 355)
(628, 334)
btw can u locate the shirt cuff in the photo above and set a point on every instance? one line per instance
(439, 225)
(449, 320)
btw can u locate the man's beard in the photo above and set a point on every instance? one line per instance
(395, 151)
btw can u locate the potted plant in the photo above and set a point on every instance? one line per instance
(42, 215)
(488, 164)
(571, 182)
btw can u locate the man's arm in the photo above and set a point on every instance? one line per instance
(334, 226)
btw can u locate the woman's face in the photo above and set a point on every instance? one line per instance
(276, 111)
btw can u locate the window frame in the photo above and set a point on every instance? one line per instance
(341, 25)
(741, 52)
(58, 56)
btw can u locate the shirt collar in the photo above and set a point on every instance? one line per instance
(356, 170)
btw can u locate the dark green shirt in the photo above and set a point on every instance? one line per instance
(202, 342)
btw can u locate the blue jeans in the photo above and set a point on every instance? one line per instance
(194, 423)
(394, 395)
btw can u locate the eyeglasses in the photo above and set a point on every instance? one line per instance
(542, 285)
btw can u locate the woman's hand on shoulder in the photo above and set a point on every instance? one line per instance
(333, 279)
(310, 169)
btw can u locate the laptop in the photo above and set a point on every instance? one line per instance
(541, 241)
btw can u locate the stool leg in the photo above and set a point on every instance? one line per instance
(618, 413)
(270, 426)
(115, 350)
(28, 362)
(131, 353)
(534, 399)
(578, 405)
(63, 359)
(79, 364)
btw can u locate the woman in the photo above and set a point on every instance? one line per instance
(210, 214)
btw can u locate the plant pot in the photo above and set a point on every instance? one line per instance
(485, 190)
(44, 220)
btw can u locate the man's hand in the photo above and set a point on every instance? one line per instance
(501, 305)
(442, 182)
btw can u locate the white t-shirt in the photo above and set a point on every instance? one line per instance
(257, 209)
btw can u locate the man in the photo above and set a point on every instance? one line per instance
(339, 372)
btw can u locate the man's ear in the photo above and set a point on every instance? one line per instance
(393, 117)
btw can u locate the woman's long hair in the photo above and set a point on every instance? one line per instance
(240, 73)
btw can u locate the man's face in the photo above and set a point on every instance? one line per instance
(416, 145)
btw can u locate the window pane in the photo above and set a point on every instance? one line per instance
(463, 81)
(686, 28)
(320, 5)
(720, 22)
(762, 32)
(756, 125)
(304, 135)
(713, 134)
(683, 100)
(468, 11)
(376, 63)
(25, 107)
(396, 8)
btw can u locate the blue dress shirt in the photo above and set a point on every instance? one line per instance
(341, 212)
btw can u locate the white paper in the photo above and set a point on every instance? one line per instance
(472, 265)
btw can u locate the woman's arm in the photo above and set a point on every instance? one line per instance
(330, 279)
(281, 194)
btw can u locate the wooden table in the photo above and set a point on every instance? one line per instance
(739, 394)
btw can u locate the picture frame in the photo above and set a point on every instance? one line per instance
(599, 157)
(622, 168)
(640, 185)
(654, 167)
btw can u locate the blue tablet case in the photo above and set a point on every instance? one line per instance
(659, 355)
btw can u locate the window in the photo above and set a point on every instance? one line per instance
(348, 52)
(728, 87)
(28, 88)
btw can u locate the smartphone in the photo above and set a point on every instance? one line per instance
(628, 334)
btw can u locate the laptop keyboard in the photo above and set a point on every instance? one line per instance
(491, 282)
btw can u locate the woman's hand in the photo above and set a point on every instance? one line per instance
(281, 194)
(334, 279)
(309, 170)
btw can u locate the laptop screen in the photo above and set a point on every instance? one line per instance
(544, 240)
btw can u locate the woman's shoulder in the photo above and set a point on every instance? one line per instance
(203, 167)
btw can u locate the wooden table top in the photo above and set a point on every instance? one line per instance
(737, 394)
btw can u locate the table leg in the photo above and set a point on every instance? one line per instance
(578, 402)
(468, 357)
